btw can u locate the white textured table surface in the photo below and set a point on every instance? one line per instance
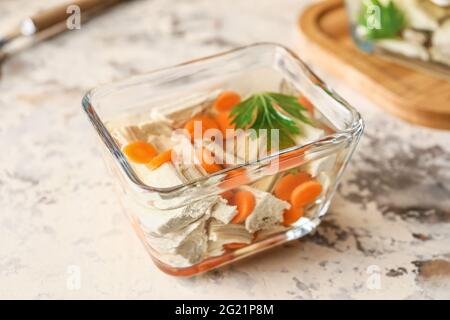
(59, 217)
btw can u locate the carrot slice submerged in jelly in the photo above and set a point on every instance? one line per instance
(289, 160)
(140, 152)
(160, 159)
(206, 123)
(306, 103)
(207, 161)
(227, 195)
(226, 101)
(224, 121)
(245, 202)
(305, 193)
(288, 183)
(234, 245)
(235, 178)
(292, 215)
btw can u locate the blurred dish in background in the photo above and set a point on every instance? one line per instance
(413, 31)
(408, 93)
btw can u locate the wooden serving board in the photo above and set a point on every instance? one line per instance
(413, 95)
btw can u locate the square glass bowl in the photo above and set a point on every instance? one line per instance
(247, 70)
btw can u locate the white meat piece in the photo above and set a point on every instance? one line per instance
(417, 16)
(228, 233)
(184, 159)
(223, 212)
(247, 146)
(220, 151)
(163, 177)
(194, 247)
(405, 48)
(441, 38)
(437, 12)
(156, 128)
(263, 234)
(268, 211)
(189, 242)
(440, 56)
(161, 142)
(214, 249)
(325, 164)
(266, 183)
(440, 50)
(308, 134)
(220, 234)
(161, 222)
(415, 36)
(156, 132)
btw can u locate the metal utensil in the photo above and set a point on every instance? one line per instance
(49, 23)
(52, 17)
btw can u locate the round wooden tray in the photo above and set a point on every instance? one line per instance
(411, 94)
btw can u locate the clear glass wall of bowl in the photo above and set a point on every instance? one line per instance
(251, 69)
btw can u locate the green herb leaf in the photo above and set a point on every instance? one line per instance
(268, 111)
(380, 21)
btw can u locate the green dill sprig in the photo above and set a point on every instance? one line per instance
(270, 110)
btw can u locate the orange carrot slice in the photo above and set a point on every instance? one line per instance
(289, 160)
(160, 159)
(292, 215)
(296, 152)
(226, 101)
(207, 161)
(227, 195)
(245, 202)
(306, 103)
(224, 121)
(235, 178)
(288, 183)
(305, 193)
(140, 151)
(206, 123)
(291, 163)
(234, 245)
